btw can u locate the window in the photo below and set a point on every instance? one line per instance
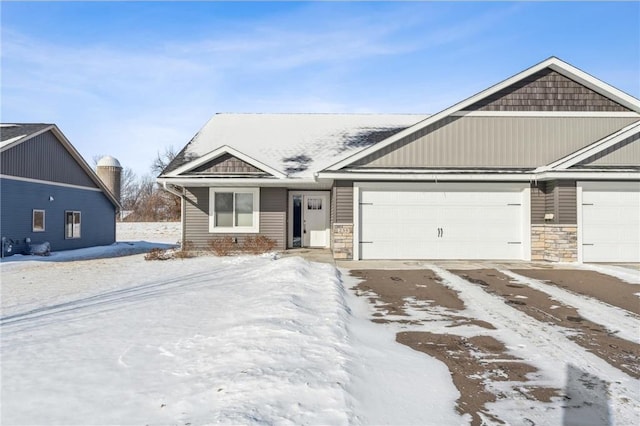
(71, 224)
(234, 210)
(38, 221)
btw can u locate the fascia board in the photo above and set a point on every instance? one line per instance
(595, 84)
(442, 114)
(225, 149)
(212, 181)
(83, 164)
(593, 149)
(489, 177)
(553, 63)
(19, 139)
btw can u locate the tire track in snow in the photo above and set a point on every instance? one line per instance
(544, 346)
(618, 321)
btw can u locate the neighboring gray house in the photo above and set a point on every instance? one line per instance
(544, 165)
(49, 193)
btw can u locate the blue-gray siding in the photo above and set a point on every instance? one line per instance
(19, 198)
(43, 157)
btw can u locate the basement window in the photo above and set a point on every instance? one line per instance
(37, 222)
(234, 210)
(72, 224)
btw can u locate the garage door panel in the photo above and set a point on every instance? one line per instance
(610, 222)
(441, 225)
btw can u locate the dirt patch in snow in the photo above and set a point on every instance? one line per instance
(590, 283)
(393, 292)
(474, 362)
(618, 352)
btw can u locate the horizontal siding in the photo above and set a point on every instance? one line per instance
(43, 157)
(625, 153)
(538, 203)
(273, 205)
(19, 198)
(509, 142)
(567, 202)
(344, 201)
(546, 90)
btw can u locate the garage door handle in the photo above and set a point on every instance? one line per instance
(514, 242)
(587, 204)
(588, 244)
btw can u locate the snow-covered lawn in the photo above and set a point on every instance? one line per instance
(96, 339)
(246, 340)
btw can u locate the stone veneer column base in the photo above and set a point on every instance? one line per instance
(342, 240)
(554, 243)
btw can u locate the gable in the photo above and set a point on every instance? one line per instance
(624, 153)
(226, 164)
(44, 157)
(484, 142)
(546, 90)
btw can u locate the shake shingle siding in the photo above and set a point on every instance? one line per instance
(18, 199)
(43, 157)
(273, 206)
(227, 164)
(546, 90)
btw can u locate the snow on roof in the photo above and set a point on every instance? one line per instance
(297, 145)
(12, 131)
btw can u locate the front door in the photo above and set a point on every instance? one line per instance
(309, 219)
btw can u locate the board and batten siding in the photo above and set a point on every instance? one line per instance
(44, 158)
(546, 90)
(342, 202)
(509, 142)
(18, 199)
(625, 153)
(273, 207)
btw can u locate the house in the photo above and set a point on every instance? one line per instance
(544, 165)
(48, 193)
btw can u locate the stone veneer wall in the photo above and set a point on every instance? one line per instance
(554, 243)
(342, 240)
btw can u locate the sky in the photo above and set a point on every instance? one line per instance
(130, 79)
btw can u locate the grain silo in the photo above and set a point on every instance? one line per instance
(109, 171)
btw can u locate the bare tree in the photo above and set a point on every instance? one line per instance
(162, 160)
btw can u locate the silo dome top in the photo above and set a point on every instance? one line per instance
(108, 161)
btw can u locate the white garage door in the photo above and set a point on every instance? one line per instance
(610, 221)
(441, 221)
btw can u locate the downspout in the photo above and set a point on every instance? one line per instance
(171, 189)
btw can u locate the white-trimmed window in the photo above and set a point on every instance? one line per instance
(72, 221)
(37, 220)
(234, 210)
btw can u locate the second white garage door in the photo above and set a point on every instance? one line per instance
(442, 221)
(610, 221)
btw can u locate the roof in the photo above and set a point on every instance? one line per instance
(12, 132)
(553, 63)
(294, 145)
(15, 134)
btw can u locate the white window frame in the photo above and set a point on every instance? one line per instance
(255, 228)
(74, 226)
(33, 220)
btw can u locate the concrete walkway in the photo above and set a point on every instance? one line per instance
(311, 254)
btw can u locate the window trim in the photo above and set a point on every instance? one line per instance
(33, 220)
(255, 228)
(73, 224)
